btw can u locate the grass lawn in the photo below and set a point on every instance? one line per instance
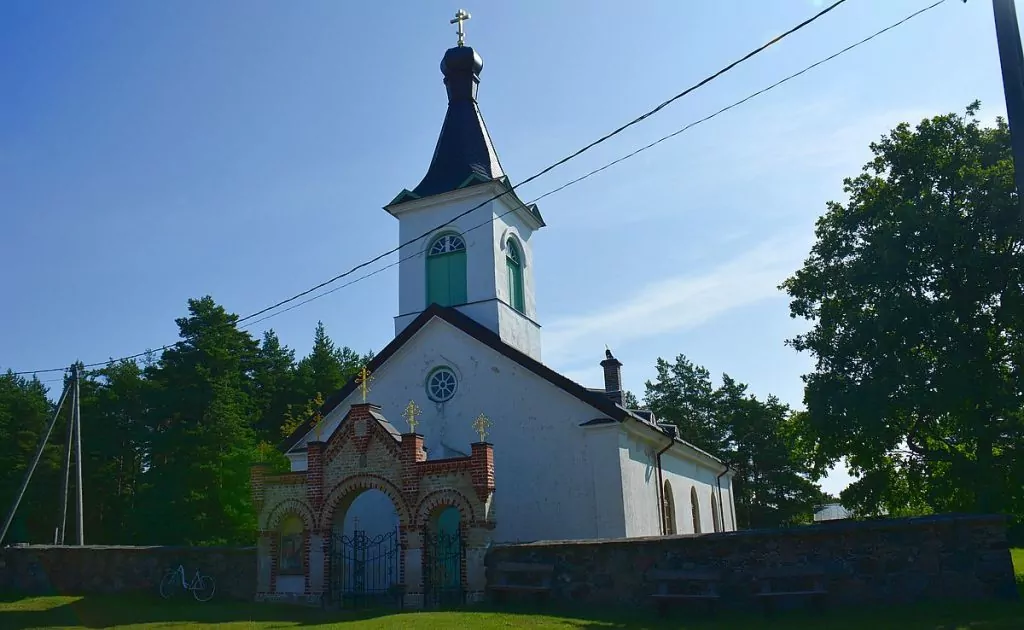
(152, 613)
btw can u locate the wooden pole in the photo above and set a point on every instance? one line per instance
(78, 458)
(59, 538)
(32, 466)
(1011, 61)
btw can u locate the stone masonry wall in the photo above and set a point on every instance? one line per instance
(884, 562)
(90, 570)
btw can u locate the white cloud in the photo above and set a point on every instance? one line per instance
(676, 303)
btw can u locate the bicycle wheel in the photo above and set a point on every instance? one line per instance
(169, 584)
(203, 591)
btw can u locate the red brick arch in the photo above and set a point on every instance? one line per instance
(355, 485)
(286, 507)
(444, 498)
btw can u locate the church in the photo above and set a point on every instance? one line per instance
(462, 393)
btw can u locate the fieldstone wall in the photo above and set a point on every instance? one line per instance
(46, 569)
(866, 562)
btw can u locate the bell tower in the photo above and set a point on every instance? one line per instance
(472, 249)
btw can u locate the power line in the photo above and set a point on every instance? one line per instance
(624, 157)
(560, 162)
(533, 177)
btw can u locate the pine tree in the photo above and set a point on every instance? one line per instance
(25, 413)
(203, 442)
(275, 381)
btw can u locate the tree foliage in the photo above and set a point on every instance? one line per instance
(773, 483)
(168, 444)
(914, 289)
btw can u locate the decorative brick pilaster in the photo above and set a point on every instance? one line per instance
(315, 474)
(306, 542)
(411, 453)
(325, 545)
(257, 475)
(274, 561)
(482, 456)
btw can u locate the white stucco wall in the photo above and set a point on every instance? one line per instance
(544, 461)
(602, 443)
(639, 485)
(684, 473)
(487, 291)
(637, 456)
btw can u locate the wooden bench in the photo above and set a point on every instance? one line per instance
(791, 583)
(685, 585)
(522, 577)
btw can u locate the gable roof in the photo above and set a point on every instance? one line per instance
(595, 398)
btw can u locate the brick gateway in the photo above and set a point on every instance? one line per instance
(364, 453)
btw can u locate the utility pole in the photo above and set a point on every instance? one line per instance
(77, 409)
(1011, 60)
(62, 526)
(35, 462)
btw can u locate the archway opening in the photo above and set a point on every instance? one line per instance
(291, 555)
(695, 510)
(669, 508)
(443, 556)
(365, 550)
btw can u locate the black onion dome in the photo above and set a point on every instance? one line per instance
(461, 59)
(464, 153)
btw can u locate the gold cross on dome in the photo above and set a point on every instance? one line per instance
(410, 414)
(481, 424)
(460, 16)
(364, 379)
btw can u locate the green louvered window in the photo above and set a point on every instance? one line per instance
(514, 263)
(446, 271)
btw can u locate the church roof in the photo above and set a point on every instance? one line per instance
(464, 155)
(596, 399)
(464, 152)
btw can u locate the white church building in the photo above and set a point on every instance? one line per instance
(569, 461)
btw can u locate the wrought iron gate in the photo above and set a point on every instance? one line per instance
(364, 569)
(443, 560)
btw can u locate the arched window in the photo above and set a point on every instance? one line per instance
(290, 547)
(669, 509)
(514, 263)
(695, 510)
(714, 512)
(446, 270)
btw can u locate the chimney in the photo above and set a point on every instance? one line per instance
(612, 376)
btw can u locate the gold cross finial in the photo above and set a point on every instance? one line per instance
(410, 414)
(318, 427)
(364, 379)
(481, 424)
(460, 16)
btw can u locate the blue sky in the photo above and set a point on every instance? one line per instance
(152, 152)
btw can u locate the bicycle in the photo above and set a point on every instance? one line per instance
(202, 586)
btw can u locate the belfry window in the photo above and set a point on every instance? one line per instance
(446, 270)
(514, 263)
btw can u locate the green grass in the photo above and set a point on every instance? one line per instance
(153, 614)
(1018, 568)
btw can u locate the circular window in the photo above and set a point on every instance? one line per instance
(441, 384)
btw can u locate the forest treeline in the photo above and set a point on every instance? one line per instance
(168, 441)
(913, 295)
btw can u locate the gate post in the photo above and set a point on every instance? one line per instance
(317, 566)
(412, 567)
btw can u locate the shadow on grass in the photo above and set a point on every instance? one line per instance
(110, 611)
(103, 611)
